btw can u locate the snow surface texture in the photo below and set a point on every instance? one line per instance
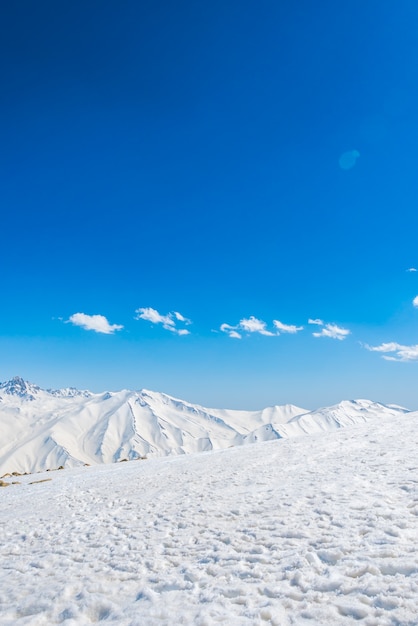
(45, 429)
(314, 531)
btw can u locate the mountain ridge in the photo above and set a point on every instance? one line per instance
(47, 428)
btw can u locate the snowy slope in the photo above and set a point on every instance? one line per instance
(45, 429)
(317, 530)
(342, 415)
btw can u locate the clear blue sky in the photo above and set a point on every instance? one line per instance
(235, 162)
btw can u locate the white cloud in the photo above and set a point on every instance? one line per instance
(391, 346)
(412, 269)
(333, 331)
(168, 321)
(226, 328)
(98, 323)
(415, 301)
(152, 315)
(253, 325)
(286, 328)
(181, 318)
(183, 331)
(231, 331)
(402, 353)
(317, 321)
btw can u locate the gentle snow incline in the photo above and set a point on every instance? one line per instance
(310, 531)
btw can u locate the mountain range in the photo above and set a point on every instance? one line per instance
(43, 429)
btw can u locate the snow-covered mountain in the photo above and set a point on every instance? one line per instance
(45, 429)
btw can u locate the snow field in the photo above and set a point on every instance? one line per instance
(311, 531)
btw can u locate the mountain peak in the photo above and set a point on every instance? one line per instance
(16, 386)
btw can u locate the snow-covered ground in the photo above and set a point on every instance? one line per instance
(318, 530)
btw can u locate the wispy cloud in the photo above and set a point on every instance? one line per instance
(397, 351)
(231, 331)
(333, 331)
(415, 301)
(412, 269)
(182, 331)
(255, 325)
(317, 321)
(98, 323)
(286, 328)
(152, 315)
(181, 317)
(247, 325)
(169, 321)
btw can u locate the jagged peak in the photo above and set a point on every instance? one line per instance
(16, 386)
(21, 388)
(69, 392)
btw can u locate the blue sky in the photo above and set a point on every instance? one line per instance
(245, 166)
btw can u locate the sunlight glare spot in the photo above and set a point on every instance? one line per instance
(348, 159)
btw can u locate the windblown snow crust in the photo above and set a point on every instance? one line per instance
(317, 530)
(45, 429)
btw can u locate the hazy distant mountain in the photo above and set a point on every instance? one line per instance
(44, 429)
